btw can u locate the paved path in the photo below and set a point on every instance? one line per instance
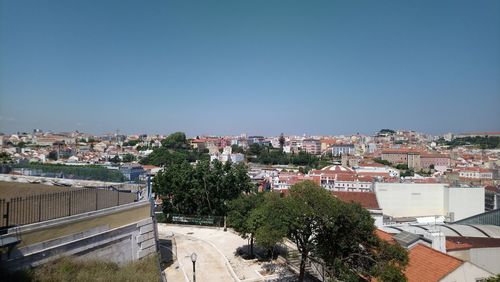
(210, 264)
(218, 244)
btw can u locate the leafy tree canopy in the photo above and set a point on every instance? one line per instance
(242, 218)
(5, 158)
(386, 131)
(487, 142)
(175, 149)
(52, 155)
(176, 141)
(201, 189)
(341, 234)
(131, 143)
(127, 158)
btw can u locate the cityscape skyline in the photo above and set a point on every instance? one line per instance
(327, 67)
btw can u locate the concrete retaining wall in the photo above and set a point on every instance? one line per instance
(119, 234)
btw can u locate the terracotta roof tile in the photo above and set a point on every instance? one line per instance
(367, 200)
(384, 236)
(427, 264)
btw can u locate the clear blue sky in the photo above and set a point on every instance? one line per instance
(260, 67)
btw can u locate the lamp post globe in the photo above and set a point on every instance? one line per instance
(193, 259)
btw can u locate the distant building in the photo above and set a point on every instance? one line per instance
(311, 146)
(491, 198)
(285, 180)
(439, 162)
(227, 155)
(200, 144)
(475, 173)
(326, 144)
(367, 200)
(409, 157)
(343, 149)
(340, 178)
(376, 170)
(295, 145)
(256, 140)
(132, 172)
(371, 148)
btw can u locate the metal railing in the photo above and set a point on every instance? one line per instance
(37, 208)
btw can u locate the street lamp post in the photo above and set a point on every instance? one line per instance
(193, 259)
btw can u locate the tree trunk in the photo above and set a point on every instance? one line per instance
(302, 267)
(251, 246)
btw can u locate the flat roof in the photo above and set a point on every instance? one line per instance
(10, 190)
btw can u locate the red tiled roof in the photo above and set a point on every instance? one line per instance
(430, 155)
(146, 167)
(328, 141)
(427, 264)
(492, 189)
(400, 151)
(385, 236)
(478, 169)
(367, 200)
(426, 180)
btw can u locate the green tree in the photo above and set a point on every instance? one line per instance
(52, 155)
(131, 143)
(237, 149)
(175, 149)
(127, 158)
(282, 141)
(202, 189)
(402, 166)
(5, 158)
(270, 222)
(384, 162)
(176, 140)
(495, 278)
(386, 131)
(116, 159)
(305, 201)
(341, 234)
(239, 217)
(406, 173)
(255, 149)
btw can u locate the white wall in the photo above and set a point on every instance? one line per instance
(467, 272)
(411, 199)
(465, 202)
(487, 258)
(422, 199)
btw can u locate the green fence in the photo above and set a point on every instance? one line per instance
(195, 220)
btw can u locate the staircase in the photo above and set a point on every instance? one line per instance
(293, 260)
